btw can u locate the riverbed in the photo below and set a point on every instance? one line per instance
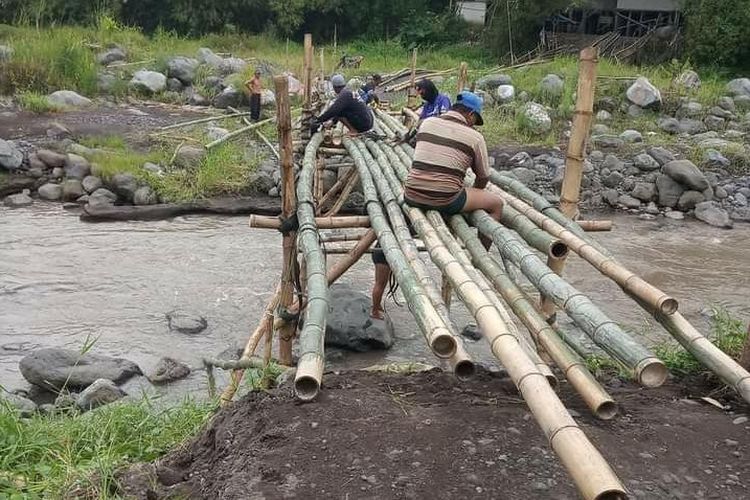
(63, 281)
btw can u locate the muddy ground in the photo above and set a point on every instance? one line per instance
(376, 435)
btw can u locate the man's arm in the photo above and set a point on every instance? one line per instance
(338, 106)
(481, 164)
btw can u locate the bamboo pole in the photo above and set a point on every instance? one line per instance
(239, 131)
(410, 100)
(235, 114)
(259, 134)
(288, 208)
(339, 250)
(307, 72)
(535, 236)
(647, 369)
(411, 117)
(311, 349)
(595, 225)
(340, 183)
(339, 222)
(438, 337)
(318, 180)
(341, 236)
(574, 369)
(463, 77)
(345, 192)
(351, 258)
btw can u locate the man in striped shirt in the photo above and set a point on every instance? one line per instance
(447, 146)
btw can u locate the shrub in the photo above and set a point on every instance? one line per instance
(718, 32)
(36, 103)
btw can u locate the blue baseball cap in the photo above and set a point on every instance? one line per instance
(473, 102)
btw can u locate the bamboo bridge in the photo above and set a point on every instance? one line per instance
(533, 237)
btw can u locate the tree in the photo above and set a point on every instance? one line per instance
(718, 32)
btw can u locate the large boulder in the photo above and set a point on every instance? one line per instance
(711, 213)
(148, 82)
(91, 183)
(77, 167)
(53, 368)
(144, 195)
(689, 200)
(51, 159)
(11, 157)
(739, 87)
(183, 69)
(124, 185)
(18, 200)
(185, 322)
(208, 57)
(552, 86)
(68, 99)
(642, 93)
(646, 162)
(686, 173)
(101, 392)
(669, 190)
(50, 192)
(349, 324)
(491, 82)
(72, 190)
(267, 98)
(167, 370)
(535, 118)
(111, 55)
(230, 96)
(661, 155)
(644, 191)
(232, 65)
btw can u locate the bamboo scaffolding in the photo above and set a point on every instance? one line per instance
(438, 337)
(340, 183)
(343, 264)
(311, 339)
(595, 225)
(339, 250)
(597, 399)
(345, 192)
(647, 369)
(338, 222)
(341, 236)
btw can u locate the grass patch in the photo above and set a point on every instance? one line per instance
(47, 456)
(111, 142)
(36, 103)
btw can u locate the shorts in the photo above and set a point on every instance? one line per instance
(378, 256)
(452, 208)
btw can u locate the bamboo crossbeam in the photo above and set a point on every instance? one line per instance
(337, 186)
(647, 369)
(339, 250)
(204, 120)
(595, 225)
(311, 339)
(438, 336)
(345, 192)
(343, 264)
(239, 131)
(337, 222)
(341, 236)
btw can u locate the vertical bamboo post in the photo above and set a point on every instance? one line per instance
(463, 77)
(322, 67)
(410, 101)
(571, 186)
(288, 208)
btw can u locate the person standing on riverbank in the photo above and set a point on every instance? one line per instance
(255, 88)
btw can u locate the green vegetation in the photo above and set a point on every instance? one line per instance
(35, 102)
(718, 31)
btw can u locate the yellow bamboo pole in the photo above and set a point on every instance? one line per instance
(337, 222)
(411, 99)
(595, 225)
(463, 77)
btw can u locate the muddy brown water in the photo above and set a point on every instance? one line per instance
(63, 281)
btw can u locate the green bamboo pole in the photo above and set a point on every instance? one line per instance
(647, 369)
(311, 341)
(572, 366)
(439, 338)
(533, 235)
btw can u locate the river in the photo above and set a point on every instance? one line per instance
(63, 281)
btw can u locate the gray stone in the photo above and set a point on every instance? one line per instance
(216, 133)
(262, 181)
(103, 194)
(651, 208)
(153, 168)
(689, 200)
(686, 173)
(722, 112)
(645, 162)
(688, 79)
(711, 213)
(608, 142)
(18, 200)
(68, 99)
(524, 96)
(76, 167)
(613, 163)
(628, 201)
(715, 123)
(691, 127)
(739, 86)
(505, 93)
(635, 111)
(167, 370)
(109, 56)
(349, 323)
(472, 332)
(101, 392)
(183, 69)
(57, 173)
(50, 192)
(493, 81)
(740, 199)
(607, 103)
(669, 190)
(35, 163)
(58, 131)
(600, 129)
(6, 53)
(690, 109)
(232, 65)
(106, 82)
(189, 157)
(184, 322)
(631, 136)
(207, 56)
(742, 102)
(11, 157)
(72, 190)
(603, 116)
(720, 193)
(24, 407)
(196, 99)
(596, 156)
(525, 175)
(536, 118)
(230, 96)
(82, 200)
(174, 85)
(613, 180)
(713, 143)
(144, 195)
(611, 196)
(522, 159)
(53, 368)
(644, 191)
(741, 214)
(267, 98)
(642, 93)
(674, 215)
(91, 183)
(669, 125)
(708, 193)
(149, 82)
(552, 86)
(124, 185)
(51, 158)
(714, 159)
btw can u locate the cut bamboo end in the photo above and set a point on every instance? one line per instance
(308, 378)
(606, 410)
(651, 372)
(595, 225)
(668, 305)
(443, 345)
(558, 250)
(464, 369)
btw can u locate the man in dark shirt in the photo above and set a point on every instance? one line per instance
(347, 109)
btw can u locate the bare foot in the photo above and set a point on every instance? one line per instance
(377, 313)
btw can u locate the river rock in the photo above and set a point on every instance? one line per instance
(669, 190)
(711, 213)
(57, 173)
(51, 159)
(216, 133)
(631, 136)
(494, 81)
(230, 96)
(552, 86)
(207, 56)
(644, 191)
(174, 85)
(472, 332)
(741, 214)
(689, 200)
(72, 190)
(262, 181)
(651, 208)
(91, 183)
(739, 86)
(18, 200)
(349, 324)
(10, 156)
(101, 392)
(196, 99)
(714, 159)
(50, 368)
(189, 157)
(628, 201)
(635, 111)
(167, 370)
(645, 162)
(50, 192)
(613, 163)
(183, 69)
(185, 322)
(505, 93)
(144, 195)
(608, 142)
(521, 159)
(232, 65)
(524, 175)
(109, 56)
(611, 196)
(104, 193)
(613, 180)
(600, 129)
(689, 109)
(24, 407)
(68, 99)
(688, 79)
(603, 116)
(536, 118)
(714, 122)
(669, 125)
(76, 167)
(686, 173)
(720, 193)
(713, 143)
(674, 215)
(267, 98)
(740, 199)
(149, 82)
(642, 93)
(124, 185)
(691, 127)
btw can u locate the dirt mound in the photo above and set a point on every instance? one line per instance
(375, 435)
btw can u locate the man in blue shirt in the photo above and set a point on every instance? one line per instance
(368, 91)
(435, 103)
